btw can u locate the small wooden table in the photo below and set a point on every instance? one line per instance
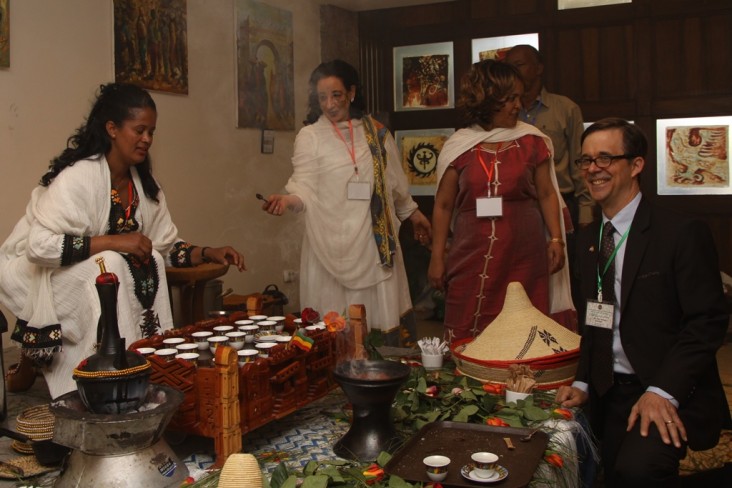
(192, 282)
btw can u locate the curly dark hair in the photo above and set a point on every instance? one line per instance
(348, 75)
(484, 90)
(114, 102)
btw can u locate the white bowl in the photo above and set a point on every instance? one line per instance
(236, 339)
(264, 348)
(436, 467)
(215, 341)
(173, 341)
(191, 357)
(247, 355)
(201, 338)
(186, 347)
(145, 351)
(257, 318)
(168, 353)
(268, 325)
(223, 328)
(239, 323)
(250, 331)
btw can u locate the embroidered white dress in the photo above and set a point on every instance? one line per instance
(340, 263)
(36, 288)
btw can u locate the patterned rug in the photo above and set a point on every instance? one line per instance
(306, 435)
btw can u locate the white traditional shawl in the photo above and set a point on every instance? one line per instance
(463, 140)
(338, 230)
(77, 203)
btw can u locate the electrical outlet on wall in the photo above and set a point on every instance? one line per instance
(289, 275)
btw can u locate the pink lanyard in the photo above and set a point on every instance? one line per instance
(351, 150)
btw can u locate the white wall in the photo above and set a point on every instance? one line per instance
(61, 51)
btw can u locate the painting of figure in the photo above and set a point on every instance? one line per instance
(4, 35)
(423, 77)
(265, 71)
(151, 44)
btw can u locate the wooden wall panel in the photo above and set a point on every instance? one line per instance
(646, 60)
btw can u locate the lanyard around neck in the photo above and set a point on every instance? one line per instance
(488, 172)
(610, 259)
(352, 149)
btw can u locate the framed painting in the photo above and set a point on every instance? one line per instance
(4, 34)
(151, 44)
(569, 4)
(693, 156)
(419, 150)
(497, 47)
(265, 72)
(423, 77)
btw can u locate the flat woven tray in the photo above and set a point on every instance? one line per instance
(458, 440)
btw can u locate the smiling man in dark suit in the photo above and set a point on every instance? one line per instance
(647, 366)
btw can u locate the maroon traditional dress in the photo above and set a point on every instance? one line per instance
(487, 253)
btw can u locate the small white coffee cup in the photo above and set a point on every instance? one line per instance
(167, 354)
(247, 355)
(485, 463)
(201, 338)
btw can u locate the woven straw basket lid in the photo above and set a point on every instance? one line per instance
(521, 332)
(37, 424)
(240, 470)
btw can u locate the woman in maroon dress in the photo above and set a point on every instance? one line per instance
(498, 190)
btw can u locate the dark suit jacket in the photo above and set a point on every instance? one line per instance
(673, 314)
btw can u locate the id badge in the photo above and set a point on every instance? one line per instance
(489, 207)
(600, 314)
(359, 190)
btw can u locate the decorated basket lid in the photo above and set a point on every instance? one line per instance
(520, 334)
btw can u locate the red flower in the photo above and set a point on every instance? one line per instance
(495, 421)
(373, 474)
(496, 389)
(564, 413)
(309, 316)
(554, 459)
(334, 322)
(432, 391)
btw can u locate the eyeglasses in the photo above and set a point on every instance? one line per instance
(602, 161)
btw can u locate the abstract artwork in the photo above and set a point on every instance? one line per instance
(693, 156)
(265, 72)
(569, 4)
(497, 47)
(423, 77)
(151, 44)
(4, 35)
(419, 150)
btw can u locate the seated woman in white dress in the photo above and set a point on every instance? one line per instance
(98, 198)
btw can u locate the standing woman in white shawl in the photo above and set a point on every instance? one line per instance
(98, 198)
(349, 184)
(497, 187)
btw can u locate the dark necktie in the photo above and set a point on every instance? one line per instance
(602, 363)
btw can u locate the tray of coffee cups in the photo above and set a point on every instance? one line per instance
(469, 455)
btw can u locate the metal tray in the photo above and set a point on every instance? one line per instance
(458, 440)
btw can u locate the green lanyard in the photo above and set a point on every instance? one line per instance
(610, 259)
